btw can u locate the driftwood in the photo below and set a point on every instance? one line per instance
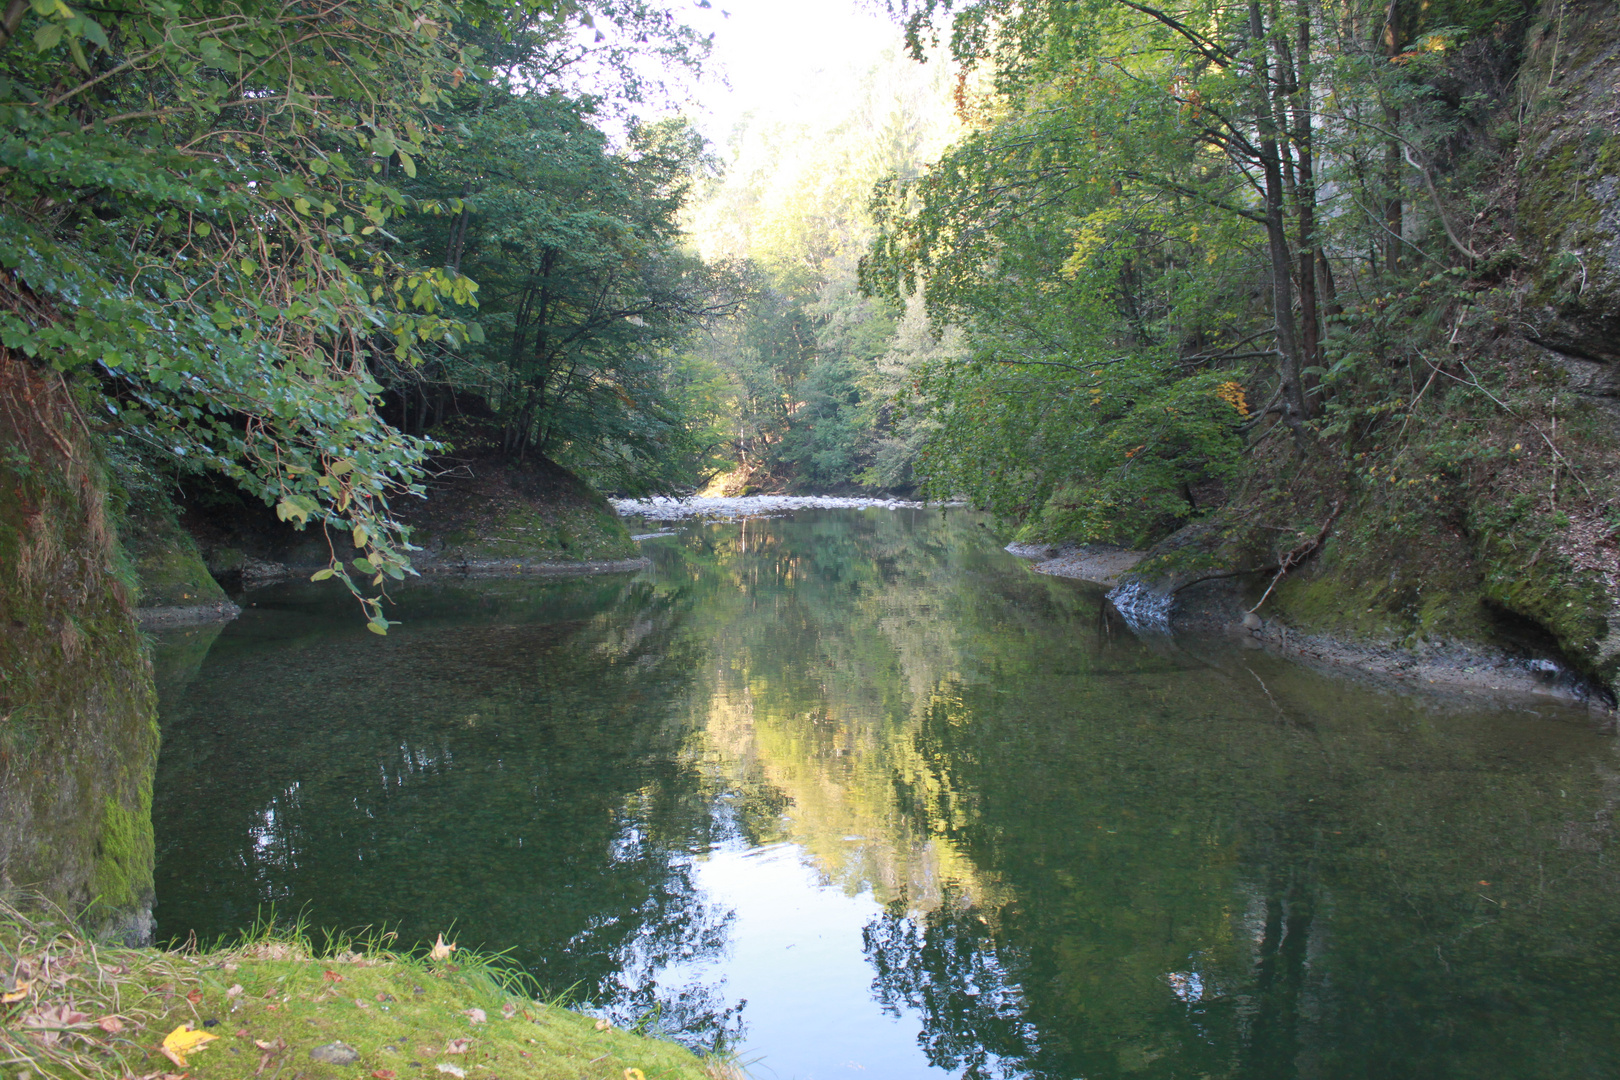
(1289, 560)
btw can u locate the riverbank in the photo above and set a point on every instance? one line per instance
(1470, 667)
(274, 1006)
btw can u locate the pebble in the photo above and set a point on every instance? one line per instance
(336, 1053)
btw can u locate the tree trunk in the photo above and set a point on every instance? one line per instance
(1305, 201)
(1393, 255)
(1282, 261)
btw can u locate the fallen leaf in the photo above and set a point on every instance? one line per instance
(234, 992)
(332, 976)
(634, 1074)
(440, 950)
(195, 995)
(185, 1040)
(228, 968)
(525, 1053)
(241, 1033)
(451, 1069)
(9, 996)
(602, 1025)
(49, 1018)
(509, 1010)
(361, 1004)
(457, 1046)
(112, 1025)
(477, 1016)
(384, 1074)
(385, 997)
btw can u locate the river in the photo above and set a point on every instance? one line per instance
(855, 793)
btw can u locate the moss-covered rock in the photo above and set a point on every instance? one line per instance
(1568, 213)
(78, 716)
(168, 566)
(503, 516)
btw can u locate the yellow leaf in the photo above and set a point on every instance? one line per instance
(183, 1040)
(441, 951)
(634, 1074)
(8, 996)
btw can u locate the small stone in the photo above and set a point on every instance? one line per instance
(1251, 621)
(336, 1053)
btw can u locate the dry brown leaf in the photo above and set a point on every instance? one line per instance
(112, 1025)
(440, 950)
(195, 996)
(509, 1010)
(477, 1016)
(332, 976)
(458, 1046)
(9, 996)
(234, 992)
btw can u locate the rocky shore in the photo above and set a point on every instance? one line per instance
(1219, 609)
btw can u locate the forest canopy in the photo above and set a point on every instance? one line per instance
(237, 228)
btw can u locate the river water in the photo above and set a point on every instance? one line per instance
(859, 795)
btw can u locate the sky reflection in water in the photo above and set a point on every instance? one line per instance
(928, 813)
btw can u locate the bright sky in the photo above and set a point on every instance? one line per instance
(770, 50)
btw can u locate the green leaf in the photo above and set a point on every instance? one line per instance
(322, 575)
(378, 628)
(410, 166)
(365, 566)
(48, 36)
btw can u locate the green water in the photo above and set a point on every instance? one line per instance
(928, 813)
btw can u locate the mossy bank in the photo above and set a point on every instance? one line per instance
(78, 715)
(274, 1005)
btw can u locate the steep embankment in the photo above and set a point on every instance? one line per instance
(78, 717)
(1473, 530)
(478, 516)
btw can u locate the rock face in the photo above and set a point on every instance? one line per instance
(78, 716)
(1568, 211)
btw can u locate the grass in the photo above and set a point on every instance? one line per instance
(98, 1013)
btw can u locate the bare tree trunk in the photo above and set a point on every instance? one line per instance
(1305, 201)
(1282, 262)
(1393, 255)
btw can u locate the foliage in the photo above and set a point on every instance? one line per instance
(1159, 201)
(195, 225)
(584, 289)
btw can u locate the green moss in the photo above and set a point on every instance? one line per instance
(1527, 578)
(264, 1004)
(169, 568)
(124, 853)
(535, 533)
(81, 742)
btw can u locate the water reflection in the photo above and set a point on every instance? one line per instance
(1009, 839)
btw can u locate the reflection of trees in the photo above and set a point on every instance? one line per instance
(1206, 879)
(1105, 857)
(514, 771)
(944, 965)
